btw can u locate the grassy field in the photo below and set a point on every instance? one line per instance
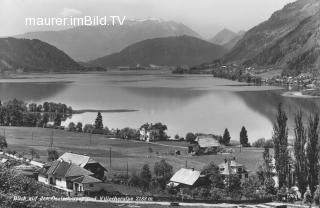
(133, 153)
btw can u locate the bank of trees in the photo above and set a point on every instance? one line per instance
(305, 163)
(152, 181)
(18, 113)
(236, 75)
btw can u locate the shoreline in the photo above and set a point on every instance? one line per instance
(81, 111)
(297, 94)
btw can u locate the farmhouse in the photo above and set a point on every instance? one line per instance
(85, 162)
(148, 134)
(232, 167)
(205, 144)
(69, 177)
(186, 178)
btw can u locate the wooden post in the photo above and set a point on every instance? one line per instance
(51, 139)
(32, 137)
(127, 170)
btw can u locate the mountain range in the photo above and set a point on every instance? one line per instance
(35, 56)
(289, 39)
(90, 42)
(167, 51)
(223, 37)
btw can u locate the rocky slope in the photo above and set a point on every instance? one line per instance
(289, 39)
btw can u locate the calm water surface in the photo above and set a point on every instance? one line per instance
(188, 103)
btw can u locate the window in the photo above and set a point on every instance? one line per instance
(91, 185)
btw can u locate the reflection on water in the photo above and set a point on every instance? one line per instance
(184, 103)
(30, 91)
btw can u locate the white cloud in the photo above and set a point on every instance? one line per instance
(67, 12)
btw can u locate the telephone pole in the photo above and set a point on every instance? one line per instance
(51, 140)
(110, 158)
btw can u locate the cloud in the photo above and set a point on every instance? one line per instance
(67, 12)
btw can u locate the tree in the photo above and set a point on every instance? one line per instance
(176, 137)
(57, 120)
(213, 172)
(280, 140)
(128, 133)
(52, 154)
(313, 152)
(145, 176)
(190, 137)
(3, 143)
(79, 127)
(88, 128)
(244, 141)
(34, 153)
(226, 137)
(163, 172)
(250, 186)
(98, 124)
(159, 131)
(72, 126)
(300, 163)
(265, 172)
(234, 186)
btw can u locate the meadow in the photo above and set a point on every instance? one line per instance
(125, 155)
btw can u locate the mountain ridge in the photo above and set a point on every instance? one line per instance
(33, 56)
(168, 51)
(86, 43)
(269, 43)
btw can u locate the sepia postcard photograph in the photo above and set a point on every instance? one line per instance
(159, 103)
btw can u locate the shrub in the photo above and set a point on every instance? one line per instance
(217, 194)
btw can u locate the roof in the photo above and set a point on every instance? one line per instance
(227, 169)
(230, 167)
(233, 163)
(186, 176)
(77, 159)
(75, 170)
(207, 141)
(86, 180)
(4, 160)
(65, 169)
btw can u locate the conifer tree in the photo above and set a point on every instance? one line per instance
(98, 123)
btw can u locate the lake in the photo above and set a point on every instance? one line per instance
(185, 103)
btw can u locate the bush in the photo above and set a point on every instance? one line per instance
(263, 143)
(217, 194)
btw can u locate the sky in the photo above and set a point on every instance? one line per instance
(207, 17)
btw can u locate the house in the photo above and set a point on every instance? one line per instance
(148, 134)
(69, 177)
(186, 178)
(85, 162)
(232, 167)
(205, 144)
